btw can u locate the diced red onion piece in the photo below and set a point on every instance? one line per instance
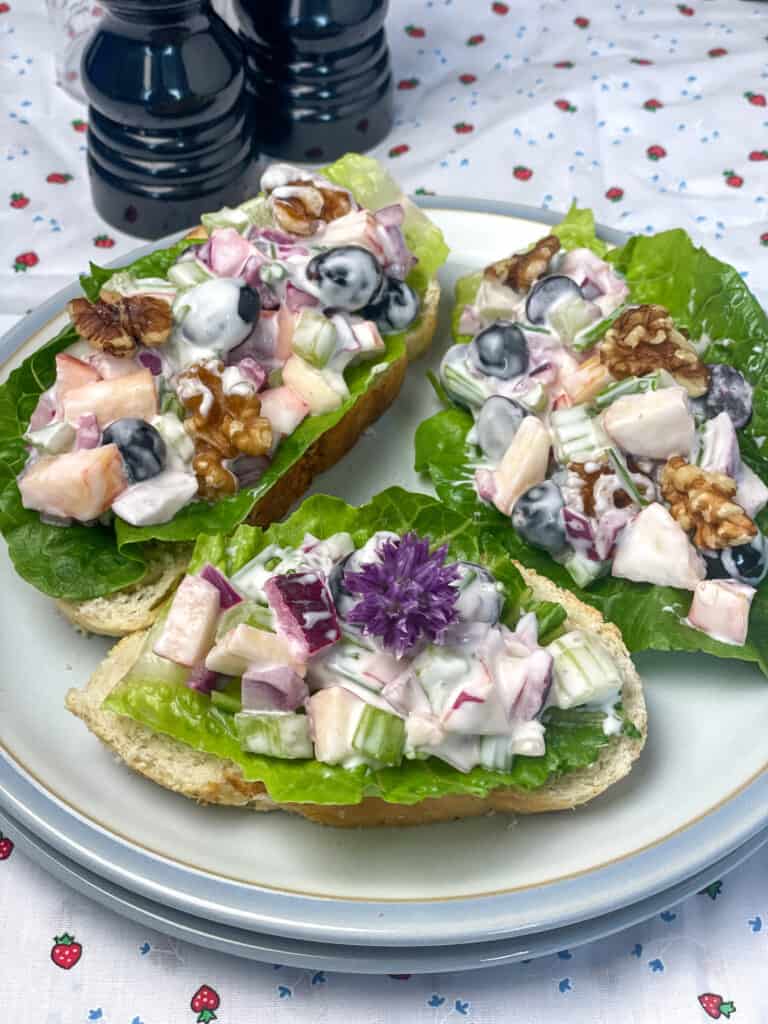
(151, 361)
(580, 533)
(87, 434)
(538, 679)
(253, 370)
(391, 216)
(229, 252)
(304, 609)
(228, 596)
(274, 688)
(204, 253)
(609, 526)
(45, 410)
(402, 259)
(296, 299)
(202, 679)
(249, 469)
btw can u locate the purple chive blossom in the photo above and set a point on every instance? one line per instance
(407, 596)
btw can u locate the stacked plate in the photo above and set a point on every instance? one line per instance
(442, 897)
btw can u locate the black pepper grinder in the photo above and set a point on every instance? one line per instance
(170, 134)
(319, 74)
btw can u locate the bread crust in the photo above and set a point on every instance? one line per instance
(136, 607)
(212, 780)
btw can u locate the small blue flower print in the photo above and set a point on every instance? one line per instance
(284, 992)
(435, 1000)
(637, 950)
(95, 1014)
(756, 924)
(656, 966)
(462, 1008)
(667, 916)
(565, 985)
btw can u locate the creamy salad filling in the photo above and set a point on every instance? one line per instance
(604, 437)
(181, 389)
(374, 654)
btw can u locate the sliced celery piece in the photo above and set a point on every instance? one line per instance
(274, 733)
(380, 736)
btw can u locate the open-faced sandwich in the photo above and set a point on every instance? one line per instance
(206, 384)
(610, 412)
(387, 664)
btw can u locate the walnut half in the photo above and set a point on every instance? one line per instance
(703, 501)
(644, 339)
(222, 424)
(117, 327)
(300, 207)
(522, 270)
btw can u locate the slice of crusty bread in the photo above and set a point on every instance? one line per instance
(136, 607)
(209, 779)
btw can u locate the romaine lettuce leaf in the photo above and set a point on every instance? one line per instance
(712, 301)
(574, 738)
(78, 563)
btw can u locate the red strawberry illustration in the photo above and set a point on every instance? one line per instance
(415, 31)
(522, 173)
(717, 51)
(641, 62)
(476, 39)
(462, 128)
(467, 79)
(204, 1003)
(685, 10)
(25, 260)
(499, 8)
(66, 952)
(18, 200)
(563, 64)
(6, 847)
(759, 154)
(764, 238)
(655, 152)
(103, 242)
(4, 8)
(79, 124)
(581, 22)
(733, 179)
(757, 99)
(399, 150)
(653, 105)
(407, 83)
(58, 178)
(614, 194)
(715, 1007)
(565, 106)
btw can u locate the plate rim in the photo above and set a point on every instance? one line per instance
(50, 818)
(372, 959)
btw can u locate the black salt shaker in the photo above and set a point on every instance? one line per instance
(319, 73)
(170, 131)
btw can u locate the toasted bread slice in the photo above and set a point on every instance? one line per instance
(136, 607)
(212, 780)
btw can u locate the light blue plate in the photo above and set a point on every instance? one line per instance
(698, 795)
(358, 959)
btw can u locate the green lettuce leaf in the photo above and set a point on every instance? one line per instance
(79, 563)
(577, 231)
(574, 739)
(711, 300)
(154, 264)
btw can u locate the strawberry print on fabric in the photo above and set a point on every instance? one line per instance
(6, 847)
(24, 261)
(715, 1006)
(66, 952)
(204, 1003)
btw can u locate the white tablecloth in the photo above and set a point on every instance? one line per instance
(655, 115)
